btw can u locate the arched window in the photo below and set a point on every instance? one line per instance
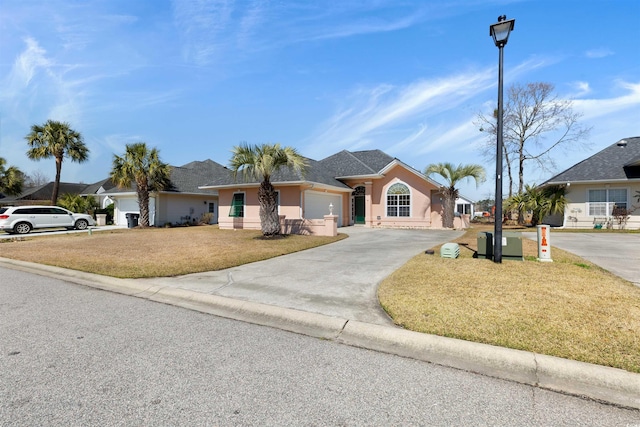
(398, 200)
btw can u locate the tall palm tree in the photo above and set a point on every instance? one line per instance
(57, 140)
(260, 162)
(11, 179)
(143, 167)
(453, 175)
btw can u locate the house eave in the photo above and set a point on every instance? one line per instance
(593, 181)
(311, 184)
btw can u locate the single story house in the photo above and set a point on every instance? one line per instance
(183, 203)
(362, 187)
(608, 179)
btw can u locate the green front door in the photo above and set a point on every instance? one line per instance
(359, 203)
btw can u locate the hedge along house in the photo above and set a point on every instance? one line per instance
(608, 179)
(363, 187)
(183, 203)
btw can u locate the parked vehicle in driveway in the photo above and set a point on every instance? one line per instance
(23, 219)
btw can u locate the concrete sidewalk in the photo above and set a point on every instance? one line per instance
(340, 279)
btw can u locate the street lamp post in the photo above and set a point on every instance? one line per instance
(500, 33)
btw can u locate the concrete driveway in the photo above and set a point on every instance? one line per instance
(340, 279)
(615, 252)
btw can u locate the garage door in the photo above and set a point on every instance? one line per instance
(130, 205)
(316, 205)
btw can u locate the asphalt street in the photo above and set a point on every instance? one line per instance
(72, 355)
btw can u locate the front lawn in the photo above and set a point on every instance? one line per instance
(569, 308)
(156, 252)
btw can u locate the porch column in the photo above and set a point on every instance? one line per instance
(368, 204)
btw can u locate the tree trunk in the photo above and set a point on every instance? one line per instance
(269, 219)
(56, 183)
(449, 203)
(143, 203)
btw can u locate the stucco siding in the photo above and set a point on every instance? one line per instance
(578, 215)
(376, 200)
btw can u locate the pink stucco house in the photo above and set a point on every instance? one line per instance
(360, 187)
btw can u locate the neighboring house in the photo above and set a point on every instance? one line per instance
(184, 202)
(97, 190)
(41, 195)
(361, 187)
(594, 186)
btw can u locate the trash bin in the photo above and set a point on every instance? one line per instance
(132, 219)
(485, 245)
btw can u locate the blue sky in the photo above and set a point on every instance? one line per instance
(195, 78)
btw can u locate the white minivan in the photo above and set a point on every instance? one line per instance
(23, 219)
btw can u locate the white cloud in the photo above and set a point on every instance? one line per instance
(581, 89)
(595, 108)
(384, 109)
(598, 53)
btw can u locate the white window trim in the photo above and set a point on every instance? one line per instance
(386, 200)
(608, 204)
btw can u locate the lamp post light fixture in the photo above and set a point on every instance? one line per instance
(500, 33)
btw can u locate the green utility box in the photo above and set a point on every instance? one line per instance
(513, 248)
(485, 245)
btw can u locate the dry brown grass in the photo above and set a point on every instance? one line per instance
(155, 252)
(569, 308)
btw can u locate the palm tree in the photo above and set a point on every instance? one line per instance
(540, 201)
(453, 175)
(143, 167)
(260, 162)
(11, 179)
(57, 140)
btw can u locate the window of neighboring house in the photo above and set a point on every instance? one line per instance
(464, 208)
(398, 200)
(602, 201)
(237, 206)
(212, 207)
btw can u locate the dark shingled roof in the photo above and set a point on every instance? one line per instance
(107, 184)
(44, 192)
(315, 172)
(614, 163)
(357, 163)
(187, 178)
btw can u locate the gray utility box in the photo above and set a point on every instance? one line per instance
(485, 245)
(511, 246)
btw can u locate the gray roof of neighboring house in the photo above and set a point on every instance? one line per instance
(614, 163)
(357, 163)
(186, 178)
(106, 183)
(44, 192)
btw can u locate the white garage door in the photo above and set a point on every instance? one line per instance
(126, 206)
(130, 205)
(316, 205)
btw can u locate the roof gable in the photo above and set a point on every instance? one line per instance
(357, 163)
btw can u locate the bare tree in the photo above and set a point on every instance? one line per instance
(35, 179)
(536, 121)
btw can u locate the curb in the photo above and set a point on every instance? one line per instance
(601, 383)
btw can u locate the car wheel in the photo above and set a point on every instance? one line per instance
(82, 224)
(22, 228)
